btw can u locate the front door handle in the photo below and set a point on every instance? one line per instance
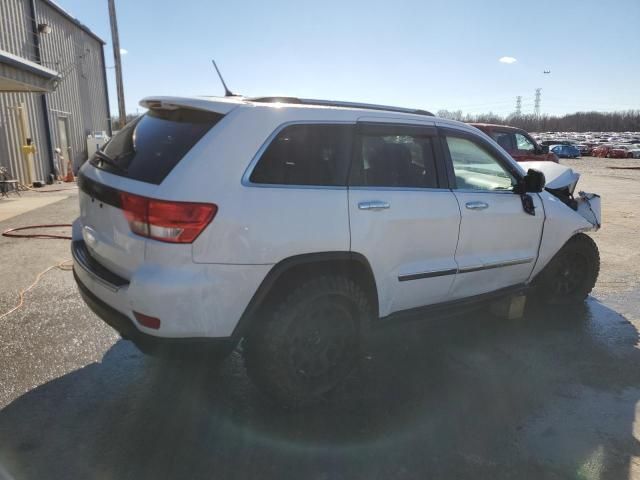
(476, 205)
(374, 205)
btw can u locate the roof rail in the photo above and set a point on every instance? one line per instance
(333, 103)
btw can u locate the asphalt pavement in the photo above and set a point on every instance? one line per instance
(552, 395)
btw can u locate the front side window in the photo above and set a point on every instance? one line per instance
(477, 169)
(306, 155)
(524, 144)
(392, 160)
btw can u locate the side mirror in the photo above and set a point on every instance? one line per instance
(544, 149)
(534, 181)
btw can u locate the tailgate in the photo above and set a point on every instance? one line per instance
(105, 229)
(136, 161)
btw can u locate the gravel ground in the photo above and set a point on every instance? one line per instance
(551, 396)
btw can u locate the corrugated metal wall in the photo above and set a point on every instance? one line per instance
(15, 28)
(11, 139)
(80, 96)
(16, 38)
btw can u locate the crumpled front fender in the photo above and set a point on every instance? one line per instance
(562, 222)
(589, 207)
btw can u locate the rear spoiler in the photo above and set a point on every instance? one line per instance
(215, 104)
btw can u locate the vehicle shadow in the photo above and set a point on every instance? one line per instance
(550, 396)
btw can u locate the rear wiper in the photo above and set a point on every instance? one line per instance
(108, 160)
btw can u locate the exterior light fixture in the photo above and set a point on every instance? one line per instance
(44, 28)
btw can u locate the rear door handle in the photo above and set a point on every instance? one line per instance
(374, 205)
(476, 205)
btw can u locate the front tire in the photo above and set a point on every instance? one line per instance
(572, 272)
(310, 341)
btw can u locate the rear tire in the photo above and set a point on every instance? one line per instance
(310, 341)
(572, 272)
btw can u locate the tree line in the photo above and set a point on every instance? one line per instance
(624, 121)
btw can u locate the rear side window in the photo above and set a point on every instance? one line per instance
(148, 148)
(505, 140)
(394, 159)
(306, 155)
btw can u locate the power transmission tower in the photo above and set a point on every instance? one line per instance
(536, 108)
(518, 105)
(115, 40)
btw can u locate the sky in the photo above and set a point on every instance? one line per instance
(413, 53)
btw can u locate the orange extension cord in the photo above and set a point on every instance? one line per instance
(61, 266)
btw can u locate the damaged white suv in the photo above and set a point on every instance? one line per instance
(297, 224)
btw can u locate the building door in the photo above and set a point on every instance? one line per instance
(64, 146)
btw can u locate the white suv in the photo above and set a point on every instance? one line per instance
(296, 224)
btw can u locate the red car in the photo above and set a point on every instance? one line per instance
(620, 151)
(601, 151)
(517, 142)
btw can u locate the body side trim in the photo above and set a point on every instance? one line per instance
(430, 274)
(453, 271)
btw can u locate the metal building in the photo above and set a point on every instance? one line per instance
(53, 88)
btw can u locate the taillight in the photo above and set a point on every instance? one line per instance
(147, 321)
(166, 221)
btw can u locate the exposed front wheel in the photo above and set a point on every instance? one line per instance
(309, 342)
(572, 273)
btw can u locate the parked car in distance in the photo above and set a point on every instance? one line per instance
(565, 151)
(296, 226)
(556, 141)
(601, 151)
(585, 150)
(518, 143)
(621, 151)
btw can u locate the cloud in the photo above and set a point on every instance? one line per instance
(124, 52)
(507, 60)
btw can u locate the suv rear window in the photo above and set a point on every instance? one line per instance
(148, 148)
(306, 155)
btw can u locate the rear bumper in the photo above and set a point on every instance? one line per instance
(149, 343)
(192, 301)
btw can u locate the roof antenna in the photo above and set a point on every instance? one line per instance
(227, 92)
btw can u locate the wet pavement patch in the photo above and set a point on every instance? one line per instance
(550, 396)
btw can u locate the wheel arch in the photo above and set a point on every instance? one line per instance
(560, 225)
(292, 270)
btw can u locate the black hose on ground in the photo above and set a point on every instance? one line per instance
(52, 236)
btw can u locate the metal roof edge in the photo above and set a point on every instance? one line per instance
(72, 19)
(24, 64)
